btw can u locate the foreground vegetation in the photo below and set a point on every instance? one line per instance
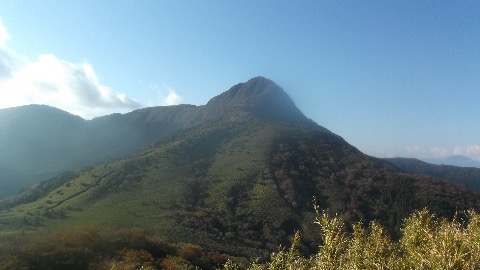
(426, 243)
(88, 248)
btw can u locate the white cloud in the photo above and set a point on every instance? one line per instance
(422, 153)
(472, 151)
(413, 150)
(5, 54)
(3, 35)
(171, 98)
(438, 152)
(73, 87)
(5, 64)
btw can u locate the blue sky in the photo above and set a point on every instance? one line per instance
(394, 78)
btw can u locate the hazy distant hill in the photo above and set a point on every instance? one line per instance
(35, 143)
(468, 176)
(38, 142)
(457, 160)
(237, 175)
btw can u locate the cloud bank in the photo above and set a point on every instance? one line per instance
(73, 87)
(471, 151)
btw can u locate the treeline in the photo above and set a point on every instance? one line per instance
(426, 243)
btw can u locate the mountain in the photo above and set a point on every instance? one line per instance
(467, 176)
(457, 160)
(38, 142)
(236, 176)
(33, 144)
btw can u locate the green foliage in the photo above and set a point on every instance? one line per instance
(88, 248)
(468, 176)
(334, 242)
(370, 248)
(430, 243)
(426, 243)
(290, 259)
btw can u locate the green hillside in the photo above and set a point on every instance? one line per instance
(240, 186)
(467, 176)
(216, 178)
(237, 184)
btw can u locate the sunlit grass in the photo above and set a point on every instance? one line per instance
(427, 242)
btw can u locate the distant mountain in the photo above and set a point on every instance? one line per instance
(35, 143)
(38, 142)
(468, 176)
(237, 175)
(457, 160)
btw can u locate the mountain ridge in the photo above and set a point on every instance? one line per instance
(248, 182)
(232, 177)
(467, 176)
(52, 141)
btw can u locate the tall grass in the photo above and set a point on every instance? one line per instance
(427, 242)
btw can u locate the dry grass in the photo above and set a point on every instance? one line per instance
(426, 243)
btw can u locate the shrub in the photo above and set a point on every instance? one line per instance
(128, 259)
(426, 243)
(176, 263)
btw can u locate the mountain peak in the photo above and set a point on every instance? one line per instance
(261, 97)
(247, 92)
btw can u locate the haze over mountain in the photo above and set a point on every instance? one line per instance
(38, 142)
(457, 160)
(237, 175)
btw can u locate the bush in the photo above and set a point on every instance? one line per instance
(426, 243)
(90, 248)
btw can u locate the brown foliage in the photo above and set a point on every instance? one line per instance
(88, 248)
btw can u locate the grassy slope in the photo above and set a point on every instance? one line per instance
(240, 185)
(206, 173)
